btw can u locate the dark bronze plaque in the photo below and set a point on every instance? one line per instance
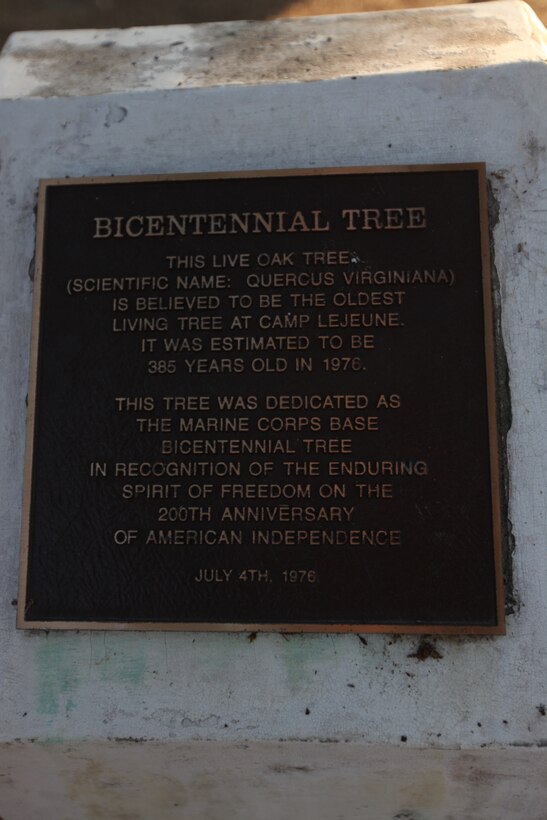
(263, 401)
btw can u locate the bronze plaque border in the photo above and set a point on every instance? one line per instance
(498, 629)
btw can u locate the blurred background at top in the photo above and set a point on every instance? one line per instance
(19, 15)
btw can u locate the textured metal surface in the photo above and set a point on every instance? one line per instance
(372, 508)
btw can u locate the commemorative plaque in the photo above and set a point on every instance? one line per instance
(263, 401)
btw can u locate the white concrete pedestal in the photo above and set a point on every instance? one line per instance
(454, 736)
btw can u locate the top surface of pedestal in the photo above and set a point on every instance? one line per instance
(89, 62)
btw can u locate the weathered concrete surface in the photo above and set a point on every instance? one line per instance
(204, 781)
(68, 63)
(492, 106)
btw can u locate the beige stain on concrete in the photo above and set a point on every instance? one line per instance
(132, 780)
(100, 789)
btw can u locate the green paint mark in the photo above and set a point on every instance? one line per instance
(51, 740)
(123, 664)
(299, 655)
(56, 673)
(127, 669)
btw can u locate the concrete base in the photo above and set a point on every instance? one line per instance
(270, 781)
